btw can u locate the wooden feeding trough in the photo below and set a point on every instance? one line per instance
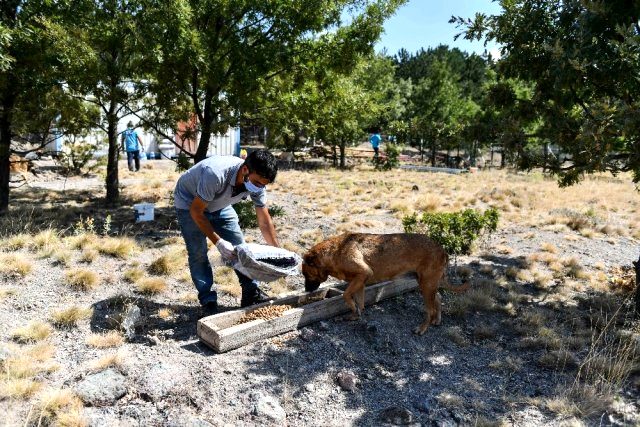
(225, 331)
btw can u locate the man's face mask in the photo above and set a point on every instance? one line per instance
(251, 187)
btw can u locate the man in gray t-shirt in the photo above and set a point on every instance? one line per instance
(203, 198)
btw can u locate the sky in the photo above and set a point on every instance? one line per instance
(425, 23)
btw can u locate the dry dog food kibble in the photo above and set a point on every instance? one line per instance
(265, 313)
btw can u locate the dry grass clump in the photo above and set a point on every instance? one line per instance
(165, 313)
(118, 247)
(18, 388)
(7, 292)
(70, 317)
(82, 279)
(132, 275)
(16, 242)
(20, 367)
(188, 297)
(15, 264)
(59, 407)
(45, 239)
(512, 364)
(227, 281)
(450, 401)
(88, 255)
(106, 340)
(484, 331)
(82, 240)
(281, 286)
(455, 334)
(57, 254)
(558, 359)
(34, 331)
(115, 360)
(167, 264)
(151, 285)
(474, 299)
(545, 337)
(549, 247)
(428, 203)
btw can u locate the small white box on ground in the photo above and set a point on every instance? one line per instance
(143, 211)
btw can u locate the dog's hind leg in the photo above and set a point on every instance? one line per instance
(432, 303)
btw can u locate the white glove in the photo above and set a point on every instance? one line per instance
(226, 249)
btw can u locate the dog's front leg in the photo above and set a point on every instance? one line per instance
(354, 287)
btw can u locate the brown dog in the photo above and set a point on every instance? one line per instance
(362, 259)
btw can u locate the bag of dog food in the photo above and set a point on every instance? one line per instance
(265, 263)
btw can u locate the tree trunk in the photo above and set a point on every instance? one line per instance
(546, 157)
(343, 146)
(5, 149)
(636, 264)
(422, 150)
(491, 163)
(433, 153)
(113, 190)
(205, 130)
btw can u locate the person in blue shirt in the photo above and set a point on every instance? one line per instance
(375, 143)
(130, 140)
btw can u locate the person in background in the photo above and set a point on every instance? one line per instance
(375, 143)
(203, 198)
(130, 141)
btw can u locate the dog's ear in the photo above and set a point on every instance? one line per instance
(309, 259)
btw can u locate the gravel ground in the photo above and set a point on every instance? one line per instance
(337, 372)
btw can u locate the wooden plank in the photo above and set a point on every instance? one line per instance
(223, 333)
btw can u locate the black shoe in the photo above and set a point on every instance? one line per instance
(254, 297)
(209, 309)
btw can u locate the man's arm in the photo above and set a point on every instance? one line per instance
(197, 213)
(140, 142)
(266, 226)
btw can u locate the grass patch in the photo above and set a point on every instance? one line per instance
(106, 340)
(15, 265)
(82, 279)
(227, 281)
(117, 247)
(132, 275)
(88, 255)
(115, 360)
(151, 285)
(167, 264)
(58, 407)
(70, 317)
(509, 363)
(455, 334)
(18, 388)
(33, 332)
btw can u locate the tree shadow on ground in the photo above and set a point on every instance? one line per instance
(179, 322)
(489, 362)
(42, 209)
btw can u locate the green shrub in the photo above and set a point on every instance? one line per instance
(76, 156)
(455, 231)
(183, 162)
(247, 213)
(391, 160)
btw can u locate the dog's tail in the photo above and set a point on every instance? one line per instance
(444, 282)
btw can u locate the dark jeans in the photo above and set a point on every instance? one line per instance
(225, 224)
(131, 157)
(375, 152)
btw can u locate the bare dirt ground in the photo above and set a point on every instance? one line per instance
(544, 337)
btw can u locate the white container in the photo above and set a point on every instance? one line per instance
(143, 211)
